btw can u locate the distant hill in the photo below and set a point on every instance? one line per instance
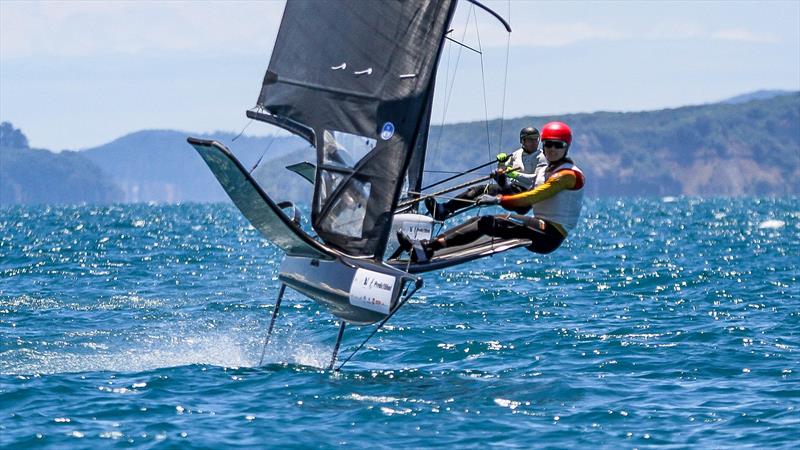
(30, 176)
(158, 165)
(746, 145)
(757, 95)
(738, 147)
(750, 148)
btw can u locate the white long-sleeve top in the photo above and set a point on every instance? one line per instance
(526, 165)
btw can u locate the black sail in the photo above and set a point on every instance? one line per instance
(359, 75)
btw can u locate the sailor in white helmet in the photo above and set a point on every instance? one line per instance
(515, 173)
(556, 202)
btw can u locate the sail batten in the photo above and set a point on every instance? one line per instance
(322, 88)
(358, 75)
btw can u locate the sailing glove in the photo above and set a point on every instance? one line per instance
(487, 199)
(502, 157)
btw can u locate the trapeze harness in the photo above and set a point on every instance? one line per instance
(556, 208)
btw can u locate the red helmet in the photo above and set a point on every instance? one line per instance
(557, 131)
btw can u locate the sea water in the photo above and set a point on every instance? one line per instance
(670, 321)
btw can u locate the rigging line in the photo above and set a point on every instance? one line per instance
(435, 149)
(449, 85)
(483, 83)
(446, 87)
(439, 193)
(505, 82)
(408, 264)
(457, 175)
(450, 197)
(462, 44)
(402, 302)
(242, 132)
(452, 81)
(262, 155)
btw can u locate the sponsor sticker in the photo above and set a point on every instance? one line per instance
(387, 131)
(417, 230)
(372, 290)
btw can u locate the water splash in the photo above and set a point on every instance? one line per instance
(222, 349)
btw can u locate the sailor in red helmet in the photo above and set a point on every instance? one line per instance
(556, 202)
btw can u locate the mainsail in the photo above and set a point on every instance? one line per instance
(356, 78)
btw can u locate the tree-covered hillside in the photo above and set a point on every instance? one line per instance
(158, 165)
(29, 176)
(751, 148)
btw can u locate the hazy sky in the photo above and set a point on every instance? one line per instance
(76, 74)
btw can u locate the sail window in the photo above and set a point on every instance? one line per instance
(345, 149)
(347, 213)
(340, 153)
(329, 181)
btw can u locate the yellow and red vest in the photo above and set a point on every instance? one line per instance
(564, 208)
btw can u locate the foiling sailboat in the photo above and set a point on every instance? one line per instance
(356, 80)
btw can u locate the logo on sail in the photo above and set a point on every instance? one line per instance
(387, 131)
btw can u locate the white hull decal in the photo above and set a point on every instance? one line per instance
(417, 230)
(372, 290)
